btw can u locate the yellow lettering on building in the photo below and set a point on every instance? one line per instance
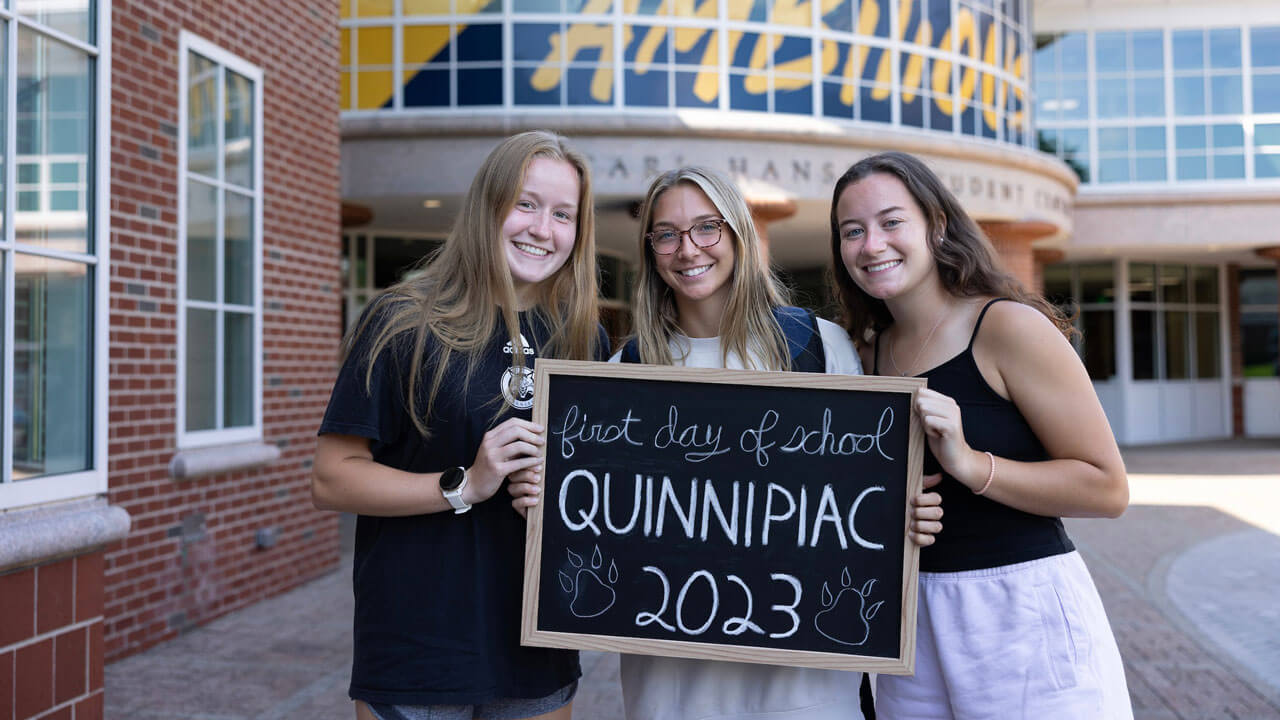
(914, 70)
(965, 35)
(575, 39)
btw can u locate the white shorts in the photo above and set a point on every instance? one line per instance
(1029, 640)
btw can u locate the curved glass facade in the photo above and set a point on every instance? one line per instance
(952, 66)
(1162, 105)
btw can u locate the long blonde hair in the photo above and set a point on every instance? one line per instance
(748, 327)
(465, 286)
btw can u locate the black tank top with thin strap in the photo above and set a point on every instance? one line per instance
(978, 532)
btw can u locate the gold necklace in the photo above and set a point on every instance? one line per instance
(923, 347)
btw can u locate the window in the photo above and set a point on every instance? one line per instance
(52, 254)
(1087, 291)
(1260, 322)
(220, 247)
(1175, 315)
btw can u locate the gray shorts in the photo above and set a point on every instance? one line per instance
(500, 709)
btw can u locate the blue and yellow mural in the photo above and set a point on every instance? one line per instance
(946, 65)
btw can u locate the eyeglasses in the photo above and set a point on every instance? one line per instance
(704, 234)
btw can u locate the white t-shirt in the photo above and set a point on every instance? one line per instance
(662, 688)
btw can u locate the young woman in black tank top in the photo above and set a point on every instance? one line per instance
(1010, 622)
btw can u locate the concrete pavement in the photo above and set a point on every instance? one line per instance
(1190, 577)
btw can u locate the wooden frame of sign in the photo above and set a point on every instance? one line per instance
(695, 513)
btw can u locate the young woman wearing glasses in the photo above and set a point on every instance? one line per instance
(706, 298)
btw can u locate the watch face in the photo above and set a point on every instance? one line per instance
(452, 478)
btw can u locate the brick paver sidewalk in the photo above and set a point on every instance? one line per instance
(1190, 577)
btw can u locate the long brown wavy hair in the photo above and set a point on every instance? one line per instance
(464, 289)
(966, 262)
(748, 326)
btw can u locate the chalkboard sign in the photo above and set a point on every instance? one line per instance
(723, 514)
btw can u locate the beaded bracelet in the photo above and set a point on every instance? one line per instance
(990, 475)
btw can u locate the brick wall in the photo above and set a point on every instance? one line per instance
(191, 554)
(51, 640)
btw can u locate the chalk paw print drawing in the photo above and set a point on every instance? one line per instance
(593, 595)
(846, 616)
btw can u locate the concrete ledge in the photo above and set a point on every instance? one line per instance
(28, 537)
(220, 458)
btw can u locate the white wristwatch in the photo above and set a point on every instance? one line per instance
(452, 482)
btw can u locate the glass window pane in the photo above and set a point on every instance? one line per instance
(1264, 45)
(1149, 139)
(1148, 97)
(1072, 50)
(239, 130)
(202, 114)
(1259, 287)
(1205, 280)
(1266, 165)
(1113, 139)
(1142, 282)
(73, 17)
(1259, 336)
(1224, 48)
(1148, 50)
(1188, 95)
(237, 386)
(1188, 49)
(1228, 136)
(1193, 167)
(1097, 282)
(1266, 134)
(1173, 283)
(1113, 97)
(1207, 355)
(1111, 52)
(1176, 365)
(202, 241)
(1149, 169)
(1113, 170)
(202, 369)
(1190, 137)
(1098, 341)
(52, 366)
(1228, 166)
(1227, 94)
(1057, 284)
(1143, 336)
(1266, 92)
(54, 102)
(238, 250)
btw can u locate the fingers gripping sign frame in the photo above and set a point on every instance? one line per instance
(725, 515)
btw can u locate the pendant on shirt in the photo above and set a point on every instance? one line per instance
(517, 382)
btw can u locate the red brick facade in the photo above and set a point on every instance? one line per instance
(191, 553)
(51, 640)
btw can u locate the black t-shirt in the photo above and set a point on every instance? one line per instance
(438, 596)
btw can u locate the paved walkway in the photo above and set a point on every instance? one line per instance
(1190, 577)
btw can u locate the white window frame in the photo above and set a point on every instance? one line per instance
(187, 43)
(93, 481)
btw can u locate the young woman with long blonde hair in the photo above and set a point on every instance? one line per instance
(430, 414)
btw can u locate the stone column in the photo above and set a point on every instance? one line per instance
(1012, 241)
